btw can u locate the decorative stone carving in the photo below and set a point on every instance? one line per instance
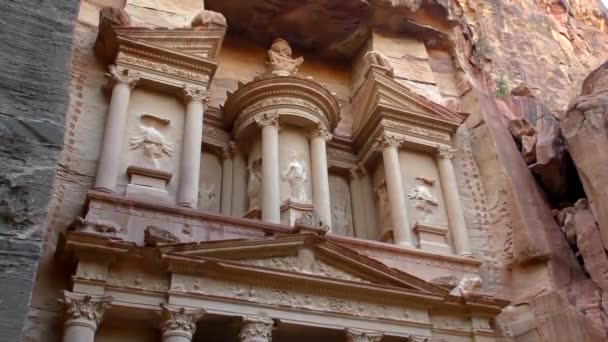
(355, 335)
(209, 197)
(103, 227)
(84, 309)
(388, 141)
(310, 221)
(296, 177)
(446, 152)
(421, 194)
(280, 62)
(121, 75)
(375, 58)
(256, 329)
(267, 119)
(195, 94)
(165, 68)
(466, 284)
(208, 19)
(153, 144)
(154, 236)
(179, 321)
(254, 186)
(321, 132)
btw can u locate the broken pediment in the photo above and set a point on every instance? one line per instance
(163, 56)
(381, 100)
(305, 254)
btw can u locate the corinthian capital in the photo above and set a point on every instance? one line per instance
(321, 132)
(446, 152)
(267, 119)
(195, 94)
(179, 321)
(84, 309)
(386, 140)
(256, 329)
(120, 75)
(355, 335)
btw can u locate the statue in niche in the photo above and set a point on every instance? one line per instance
(296, 177)
(153, 144)
(280, 61)
(421, 194)
(254, 186)
(384, 209)
(208, 197)
(339, 219)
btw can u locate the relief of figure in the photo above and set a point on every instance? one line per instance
(384, 209)
(254, 186)
(339, 219)
(296, 177)
(153, 144)
(280, 61)
(425, 201)
(208, 198)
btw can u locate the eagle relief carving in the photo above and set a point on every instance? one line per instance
(151, 141)
(421, 194)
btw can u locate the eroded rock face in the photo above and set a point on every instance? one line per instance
(584, 129)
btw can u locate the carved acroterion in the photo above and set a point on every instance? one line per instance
(280, 62)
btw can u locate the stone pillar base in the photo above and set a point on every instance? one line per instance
(432, 238)
(292, 210)
(148, 184)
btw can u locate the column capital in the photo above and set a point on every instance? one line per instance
(444, 152)
(234, 148)
(356, 335)
(227, 153)
(267, 119)
(321, 132)
(179, 321)
(121, 75)
(386, 140)
(84, 309)
(197, 94)
(256, 329)
(357, 172)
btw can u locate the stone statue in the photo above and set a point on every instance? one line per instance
(153, 144)
(280, 61)
(296, 176)
(378, 59)
(384, 209)
(254, 186)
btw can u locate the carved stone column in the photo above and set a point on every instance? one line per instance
(271, 200)
(226, 200)
(83, 315)
(355, 335)
(402, 234)
(320, 177)
(369, 202)
(177, 323)
(191, 151)
(256, 329)
(121, 81)
(454, 209)
(239, 181)
(358, 204)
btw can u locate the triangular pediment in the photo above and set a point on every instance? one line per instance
(304, 256)
(381, 94)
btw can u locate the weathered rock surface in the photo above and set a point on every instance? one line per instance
(35, 55)
(584, 127)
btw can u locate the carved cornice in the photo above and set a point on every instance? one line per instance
(292, 97)
(355, 335)
(179, 321)
(84, 309)
(256, 328)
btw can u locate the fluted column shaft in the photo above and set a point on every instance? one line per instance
(122, 81)
(84, 313)
(191, 150)
(239, 182)
(178, 324)
(454, 209)
(227, 167)
(271, 202)
(256, 329)
(402, 234)
(320, 177)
